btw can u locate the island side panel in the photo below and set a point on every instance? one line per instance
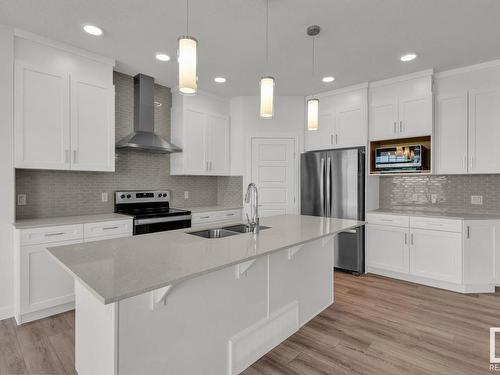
(190, 333)
(96, 332)
(303, 273)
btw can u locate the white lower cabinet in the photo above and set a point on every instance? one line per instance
(42, 286)
(452, 254)
(388, 248)
(436, 255)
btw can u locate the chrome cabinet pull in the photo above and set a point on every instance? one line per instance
(406, 238)
(74, 156)
(336, 139)
(54, 234)
(331, 139)
(233, 214)
(109, 228)
(411, 239)
(395, 127)
(468, 232)
(400, 126)
(204, 217)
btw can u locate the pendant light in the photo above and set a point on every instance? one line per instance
(313, 103)
(267, 83)
(187, 60)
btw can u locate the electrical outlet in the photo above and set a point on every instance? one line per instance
(186, 195)
(414, 197)
(476, 199)
(104, 197)
(434, 198)
(21, 199)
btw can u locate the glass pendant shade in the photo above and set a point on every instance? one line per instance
(187, 58)
(312, 114)
(266, 97)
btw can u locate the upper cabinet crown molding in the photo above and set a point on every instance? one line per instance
(403, 78)
(63, 47)
(63, 109)
(342, 90)
(468, 69)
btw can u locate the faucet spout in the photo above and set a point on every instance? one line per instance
(252, 197)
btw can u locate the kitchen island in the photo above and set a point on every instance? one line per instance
(176, 303)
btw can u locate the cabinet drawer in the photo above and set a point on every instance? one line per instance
(204, 218)
(391, 220)
(229, 215)
(60, 233)
(436, 223)
(107, 228)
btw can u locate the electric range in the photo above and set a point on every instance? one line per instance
(151, 211)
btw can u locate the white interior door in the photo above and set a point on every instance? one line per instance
(92, 127)
(274, 171)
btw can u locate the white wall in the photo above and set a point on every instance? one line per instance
(288, 121)
(6, 171)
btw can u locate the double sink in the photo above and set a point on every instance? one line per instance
(225, 231)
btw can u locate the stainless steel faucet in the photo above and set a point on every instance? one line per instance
(252, 197)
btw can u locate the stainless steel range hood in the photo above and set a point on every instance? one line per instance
(143, 137)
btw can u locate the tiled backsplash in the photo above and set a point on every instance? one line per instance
(60, 193)
(452, 192)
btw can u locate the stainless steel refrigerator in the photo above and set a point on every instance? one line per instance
(333, 185)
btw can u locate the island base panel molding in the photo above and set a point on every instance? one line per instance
(223, 322)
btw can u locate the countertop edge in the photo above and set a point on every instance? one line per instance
(57, 220)
(131, 294)
(450, 215)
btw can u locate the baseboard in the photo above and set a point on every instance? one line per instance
(459, 288)
(40, 314)
(6, 312)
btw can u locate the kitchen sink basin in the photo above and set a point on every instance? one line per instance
(214, 233)
(243, 228)
(225, 232)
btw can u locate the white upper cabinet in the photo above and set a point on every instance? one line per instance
(92, 126)
(484, 131)
(401, 107)
(342, 120)
(42, 138)
(200, 126)
(64, 107)
(451, 133)
(468, 120)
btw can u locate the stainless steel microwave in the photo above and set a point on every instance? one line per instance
(404, 158)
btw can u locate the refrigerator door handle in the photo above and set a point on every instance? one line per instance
(322, 184)
(328, 187)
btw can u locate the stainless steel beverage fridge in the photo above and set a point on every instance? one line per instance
(333, 185)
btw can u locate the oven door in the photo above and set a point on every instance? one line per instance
(161, 224)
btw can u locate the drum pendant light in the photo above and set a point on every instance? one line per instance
(187, 59)
(313, 103)
(267, 83)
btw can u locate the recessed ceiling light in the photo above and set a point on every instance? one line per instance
(92, 30)
(162, 57)
(408, 57)
(220, 79)
(328, 79)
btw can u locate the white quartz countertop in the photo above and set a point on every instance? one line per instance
(443, 214)
(67, 220)
(196, 210)
(125, 267)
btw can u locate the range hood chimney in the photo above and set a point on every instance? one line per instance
(143, 137)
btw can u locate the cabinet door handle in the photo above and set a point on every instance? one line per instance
(472, 162)
(406, 238)
(411, 239)
(54, 234)
(230, 214)
(210, 165)
(109, 228)
(74, 156)
(400, 126)
(206, 166)
(331, 139)
(395, 127)
(336, 139)
(468, 232)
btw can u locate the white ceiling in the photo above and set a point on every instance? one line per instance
(361, 40)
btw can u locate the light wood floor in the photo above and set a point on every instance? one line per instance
(376, 326)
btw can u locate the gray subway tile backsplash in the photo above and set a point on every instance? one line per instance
(452, 192)
(60, 193)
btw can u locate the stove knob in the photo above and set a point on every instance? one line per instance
(165, 195)
(159, 195)
(122, 196)
(129, 196)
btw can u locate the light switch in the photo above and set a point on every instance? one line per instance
(104, 197)
(434, 198)
(186, 195)
(476, 199)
